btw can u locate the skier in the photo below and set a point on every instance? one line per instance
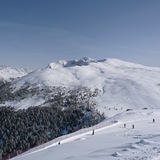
(153, 120)
(93, 132)
(124, 125)
(133, 126)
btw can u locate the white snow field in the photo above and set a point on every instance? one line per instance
(122, 86)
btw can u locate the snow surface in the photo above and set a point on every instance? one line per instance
(112, 142)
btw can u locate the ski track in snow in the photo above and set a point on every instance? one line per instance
(112, 142)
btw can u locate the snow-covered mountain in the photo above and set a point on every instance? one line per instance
(120, 85)
(8, 73)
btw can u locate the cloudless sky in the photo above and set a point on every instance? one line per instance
(34, 33)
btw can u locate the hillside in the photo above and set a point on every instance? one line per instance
(118, 85)
(113, 142)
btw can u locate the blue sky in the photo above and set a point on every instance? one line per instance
(34, 33)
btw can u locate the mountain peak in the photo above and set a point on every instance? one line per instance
(81, 62)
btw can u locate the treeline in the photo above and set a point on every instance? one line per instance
(9, 93)
(24, 129)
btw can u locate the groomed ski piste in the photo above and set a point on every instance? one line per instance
(111, 140)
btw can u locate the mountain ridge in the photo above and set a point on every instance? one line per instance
(81, 62)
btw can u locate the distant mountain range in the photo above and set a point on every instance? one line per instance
(116, 84)
(8, 73)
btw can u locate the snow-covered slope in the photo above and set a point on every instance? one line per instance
(112, 142)
(7, 73)
(121, 85)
